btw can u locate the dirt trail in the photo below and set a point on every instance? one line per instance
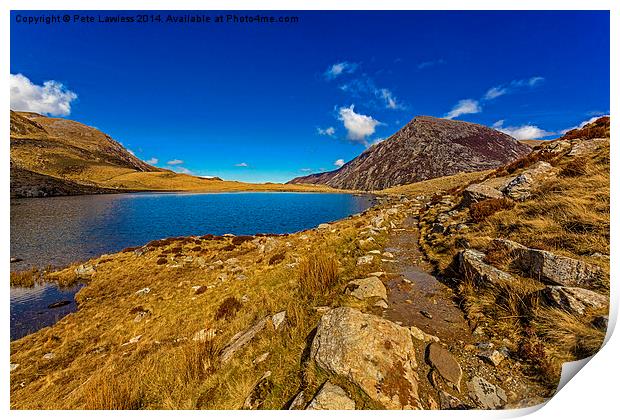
(417, 298)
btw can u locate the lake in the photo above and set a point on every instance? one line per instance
(60, 230)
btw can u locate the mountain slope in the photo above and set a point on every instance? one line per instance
(423, 149)
(56, 156)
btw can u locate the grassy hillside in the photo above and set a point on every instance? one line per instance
(73, 158)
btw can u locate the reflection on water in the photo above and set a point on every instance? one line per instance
(61, 230)
(29, 307)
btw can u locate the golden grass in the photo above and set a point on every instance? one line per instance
(437, 185)
(97, 366)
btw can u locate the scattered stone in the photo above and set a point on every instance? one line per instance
(366, 259)
(375, 252)
(367, 288)
(205, 335)
(438, 228)
(479, 192)
(321, 309)
(135, 339)
(15, 260)
(259, 392)
(420, 335)
(198, 290)
(446, 365)
(493, 357)
(298, 402)
(261, 358)
(364, 243)
(239, 340)
(473, 267)
(377, 274)
(85, 270)
(371, 352)
(381, 304)
(58, 304)
(549, 267)
(388, 255)
(144, 291)
(14, 366)
(485, 394)
(574, 299)
(485, 345)
(450, 402)
(278, 319)
(426, 314)
(48, 356)
(331, 397)
(323, 226)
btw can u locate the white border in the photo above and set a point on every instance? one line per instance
(592, 395)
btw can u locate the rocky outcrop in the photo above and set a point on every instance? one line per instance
(373, 353)
(549, 267)
(520, 187)
(574, 299)
(369, 288)
(473, 268)
(485, 394)
(479, 192)
(444, 363)
(331, 397)
(425, 148)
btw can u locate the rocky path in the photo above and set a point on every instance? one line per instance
(456, 368)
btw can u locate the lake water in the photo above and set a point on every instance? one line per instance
(60, 230)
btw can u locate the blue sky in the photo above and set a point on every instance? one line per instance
(268, 102)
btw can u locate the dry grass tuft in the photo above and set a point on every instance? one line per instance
(482, 210)
(576, 167)
(25, 278)
(228, 308)
(318, 273)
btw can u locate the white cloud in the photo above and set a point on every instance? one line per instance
(464, 106)
(131, 151)
(358, 126)
(337, 69)
(583, 123)
(182, 170)
(522, 132)
(306, 169)
(242, 165)
(329, 131)
(153, 161)
(432, 63)
(175, 162)
(53, 98)
(495, 92)
(388, 97)
(339, 163)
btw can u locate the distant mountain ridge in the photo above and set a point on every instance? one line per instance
(425, 148)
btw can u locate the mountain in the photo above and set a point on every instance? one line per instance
(57, 156)
(425, 148)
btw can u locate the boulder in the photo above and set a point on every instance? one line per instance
(368, 288)
(366, 259)
(331, 397)
(479, 192)
(473, 267)
(485, 394)
(259, 392)
(84, 270)
(298, 402)
(549, 267)
(239, 340)
(574, 299)
(444, 363)
(520, 187)
(371, 352)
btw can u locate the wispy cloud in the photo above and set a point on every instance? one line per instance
(337, 69)
(153, 161)
(241, 165)
(522, 132)
(180, 170)
(501, 90)
(432, 63)
(175, 162)
(365, 86)
(329, 131)
(51, 98)
(339, 163)
(358, 126)
(306, 169)
(462, 107)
